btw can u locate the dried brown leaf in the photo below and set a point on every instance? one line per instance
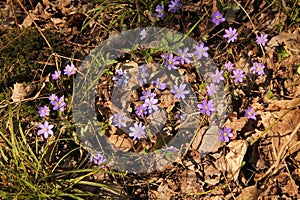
(248, 193)
(282, 104)
(291, 42)
(236, 124)
(122, 141)
(233, 159)
(269, 21)
(167, 100)
(289, 185)
(280, 132)
(21, 91)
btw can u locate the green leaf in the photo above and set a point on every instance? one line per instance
(269, 94)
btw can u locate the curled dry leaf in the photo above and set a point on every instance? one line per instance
(21, 91)
(233, 159)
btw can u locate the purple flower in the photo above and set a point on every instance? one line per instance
(231, 34)
(258, 68)
(70, 69)
(174, 6)
(147, 94)
(60, 104)
(97, 158)
(184, 56)
(44, 111)
(56, 75)
(121, 78)
(238, 75)
(150, 104)
(181, 116)
(53, 98)
(218, 76)
(170, 61)
(160, 11)
(119, 120)
(158, 85)
(138, 131)
(211, 89)
(201, 50)
(217, 18)
(206, 107)
(142, 74)
(225, 134)
(141, 110)
(262, 39)
(229, 66)
(179, 91)
(250, 113)
(143, 34)
(45, 129)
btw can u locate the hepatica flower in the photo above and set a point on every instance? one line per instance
(262, 39)
(258, 68)
(160, 11)
(158, 85)
(143, 34)
(97, 158)
(45, 129)
(201, 51)
(238, 75)
(206, 107)
(121, 78)
(184, 56)
(53, 98)
(179, 91)
(250, 113)
(119, 119)
(44, 111)
(231, 34)
(225, 134)
(170, 61)
(56, 75)
(141, 110)
(150, 104)
(217, 77)
(211, 89)
(229, 66)
(174, 6)
(142, 74)
(217, 18)
(60, 104)
(147, 94)
(137, 131)
(181, 116)
(70, 70)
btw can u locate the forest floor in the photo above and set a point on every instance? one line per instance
(61, 160)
